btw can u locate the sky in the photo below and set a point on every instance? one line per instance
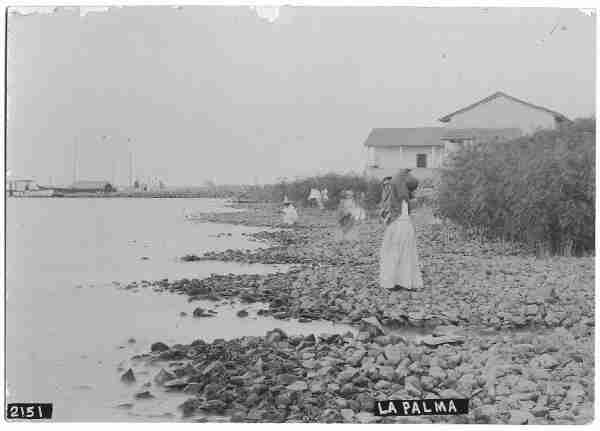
(239, 95)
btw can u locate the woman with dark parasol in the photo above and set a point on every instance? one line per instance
(399, 265)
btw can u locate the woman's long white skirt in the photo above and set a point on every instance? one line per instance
(399, 262)
(290, 216)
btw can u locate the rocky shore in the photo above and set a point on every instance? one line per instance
(511, 332)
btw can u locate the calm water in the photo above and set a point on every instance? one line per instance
(68, 325)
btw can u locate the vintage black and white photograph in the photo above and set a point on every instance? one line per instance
(314, 214)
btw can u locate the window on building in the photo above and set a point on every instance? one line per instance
(421, 160)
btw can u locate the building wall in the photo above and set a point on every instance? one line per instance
(388, 157)
(409, 155)
(387, 160)
(406, 157)
(503, 113)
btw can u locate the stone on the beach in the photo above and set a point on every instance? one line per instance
(159, 347)
(347, 414)
(284, 399)
(382, 385)
(201, 312)
(365, 418)
(212, 367)
(411, 389)
(363, 336)
(242, 313)
(216, 406)
(386, 372)
(450, 393)
(143, 395)
(176, 384)
(275, 335)
(188, 407)
(190, 258)
(372, 326)
(347, 374)
(347, 389)
(524, 385)
(193, 388)
(442, 330)
(298, 386)
(356, 357)
(437, 373)
(163, 376)
(286, 379)
(366, 401)
(394, 353)
(485, 413)
(128, 376)
(519, 417)
(446, 339)
(317, 387)
(548, 361)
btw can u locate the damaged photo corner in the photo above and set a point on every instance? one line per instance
(333, 214)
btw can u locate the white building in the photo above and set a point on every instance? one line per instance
(393, 149)
(496, 118)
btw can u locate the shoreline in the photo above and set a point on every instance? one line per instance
(495, 321)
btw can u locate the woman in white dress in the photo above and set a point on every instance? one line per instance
(314, 198)
(399, 262)
(361, 212)
(347, 216)
(324, 196)
(290, 215)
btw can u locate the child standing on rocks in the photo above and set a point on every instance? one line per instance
(347, 217)
(361, 212)
(290, 215)
(399, 264)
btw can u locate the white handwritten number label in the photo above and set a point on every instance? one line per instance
(29, 411)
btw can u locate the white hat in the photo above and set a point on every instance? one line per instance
(286, 200)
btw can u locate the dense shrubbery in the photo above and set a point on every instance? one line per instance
(537, 189)
(298, 190)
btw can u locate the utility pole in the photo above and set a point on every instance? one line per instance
(130, 169)
(75, 162)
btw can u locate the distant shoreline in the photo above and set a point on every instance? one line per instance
(137, 195)
(120, 195)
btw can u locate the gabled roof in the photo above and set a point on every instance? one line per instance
(412, 137)
(557, 115)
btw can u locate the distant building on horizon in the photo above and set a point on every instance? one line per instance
(92, 187)
(496, 118)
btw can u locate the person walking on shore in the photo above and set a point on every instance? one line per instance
(399, 264)
(290, 215)
(361, 205)
(347, 217)
(314, 198)
(324, 196)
